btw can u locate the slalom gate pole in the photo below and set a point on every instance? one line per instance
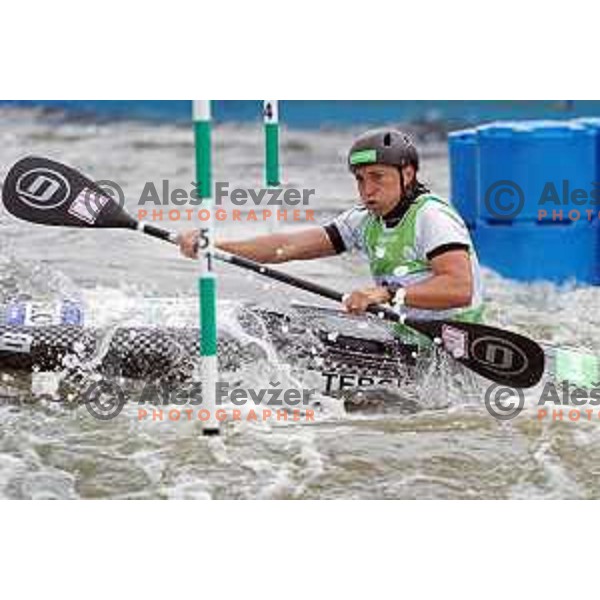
(207, 282)
(271, 127)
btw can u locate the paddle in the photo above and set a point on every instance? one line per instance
(47, 192)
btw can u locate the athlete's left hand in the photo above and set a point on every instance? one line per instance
(358, 301)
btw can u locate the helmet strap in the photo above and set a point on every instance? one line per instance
(402, 186)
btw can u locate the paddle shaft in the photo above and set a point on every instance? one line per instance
(157, 232)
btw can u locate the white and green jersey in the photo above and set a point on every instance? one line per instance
(400, 252)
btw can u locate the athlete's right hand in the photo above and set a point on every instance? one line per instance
(188, 243)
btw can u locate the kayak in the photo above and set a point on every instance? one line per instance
(155, 339)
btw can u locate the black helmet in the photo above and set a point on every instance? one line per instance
(385, 147)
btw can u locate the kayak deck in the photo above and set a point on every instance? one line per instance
(150, 352)
(344, 351)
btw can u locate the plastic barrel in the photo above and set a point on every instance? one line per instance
(462, 148)
(593, 124)
(532, 251)
(528, 166)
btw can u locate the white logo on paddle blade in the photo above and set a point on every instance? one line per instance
(501, 355)
(42, 188)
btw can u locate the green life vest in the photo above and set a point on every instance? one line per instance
(393, 257)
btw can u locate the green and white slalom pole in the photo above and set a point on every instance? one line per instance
(207, 282)
(271, 126)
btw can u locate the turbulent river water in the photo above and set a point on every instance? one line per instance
(449, 448)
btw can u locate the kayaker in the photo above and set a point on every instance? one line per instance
(420, 252)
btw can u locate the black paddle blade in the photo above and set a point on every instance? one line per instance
(45, 191)
(502, 356)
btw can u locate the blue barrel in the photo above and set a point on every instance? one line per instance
(462, 148)
(557, 252)
(528, 166)
(593, 124)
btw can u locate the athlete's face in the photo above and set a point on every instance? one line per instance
(379, 186)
